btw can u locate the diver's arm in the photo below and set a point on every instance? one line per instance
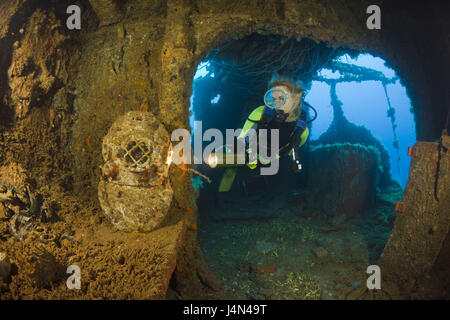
(252, 121)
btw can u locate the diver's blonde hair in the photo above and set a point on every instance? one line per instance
(294, 86)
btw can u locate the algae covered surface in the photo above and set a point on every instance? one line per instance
(61, 90)
(113, 264)
(294, 254)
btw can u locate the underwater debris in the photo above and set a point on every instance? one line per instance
(135, 192)
(320, 253)
(345, 178)
(24, 215)
(5, 267)
(272, 268)
(199, 174)
(42, 268)
(20, 225)
(18, 204)
(300, 284)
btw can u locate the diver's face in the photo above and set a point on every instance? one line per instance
(291, 102)
(278, 98)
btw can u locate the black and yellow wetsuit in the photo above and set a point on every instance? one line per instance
(292, 135)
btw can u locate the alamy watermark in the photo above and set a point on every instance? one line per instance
(374, 20)
(253, 147)
(73, 22)
(374, 280)
(74, 281)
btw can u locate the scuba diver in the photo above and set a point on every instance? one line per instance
(283, 110)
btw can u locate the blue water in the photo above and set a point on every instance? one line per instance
(363, 104)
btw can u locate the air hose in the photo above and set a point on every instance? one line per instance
(315, 112)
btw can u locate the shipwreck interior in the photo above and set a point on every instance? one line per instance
(277, 225)
(88, 176)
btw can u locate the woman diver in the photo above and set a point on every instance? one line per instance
(283, 110)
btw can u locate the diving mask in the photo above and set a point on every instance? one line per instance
(275, 98)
